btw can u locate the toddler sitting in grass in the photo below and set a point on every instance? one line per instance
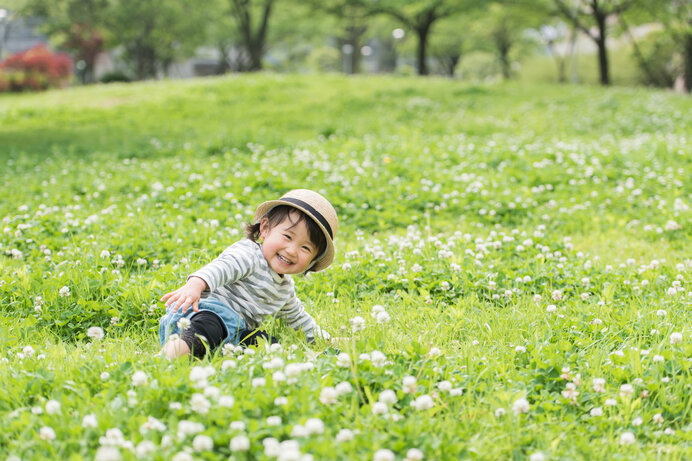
(227, 299)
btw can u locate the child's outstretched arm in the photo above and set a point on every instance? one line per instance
(187, 295)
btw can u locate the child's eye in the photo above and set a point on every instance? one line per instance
(288, 237)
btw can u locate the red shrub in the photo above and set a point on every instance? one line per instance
(36, 69)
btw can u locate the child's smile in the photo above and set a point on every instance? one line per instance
(287, 246)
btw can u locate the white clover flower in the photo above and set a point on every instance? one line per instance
(521, 406)
(105, 376)
(89, 421)
(596, 411)
(46, 433)
(202, 443)
(599, 384)
(444, 386)
(556, 295)
(423, 402)
(538, 456)
(637, 421)
(52, 407)
(414, 454)
(182, 456)
(383, 455)
(64, 292)
(95, 333)
(388, 397)
(520, 349)
(226, 401)
(280, 401)
(379, 408)
(226, 364)
(114, 437)
(184, 323)
(273, 364)
(357, 323)
(212, 392)
(274, 421)
(240, 443)
(434, 352)
(377, 308)
(107, 453)
(105, 254)
(271, 447)
(344, 435)
(145, 449)
(627, 438)
(314, 426)
(344, 388)
(259, 382)
(551, 308)
(611, 402)
(199, 404)
(139, 378)
(409, 385)
(669, 431)
(382, 317)
(626, 390)
(28, 351)
(378, 359)
(658, 419)
(289, 450)
(299, 431)
(661, 312)
(237, 425)
(329, 396)
(675, 338)
(343, 360)
(278, 376)
(152, 424)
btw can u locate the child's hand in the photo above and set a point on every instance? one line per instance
(186, 296)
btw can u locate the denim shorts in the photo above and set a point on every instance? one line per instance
(232, 321)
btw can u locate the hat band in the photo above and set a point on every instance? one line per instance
(316, 214)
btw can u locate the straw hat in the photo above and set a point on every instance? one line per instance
(319, 209)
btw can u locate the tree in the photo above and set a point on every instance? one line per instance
(419, 16)
(587, 14)
(76, 25)
(352, 25)
(252, 21)
(676, 16)
(155, 33)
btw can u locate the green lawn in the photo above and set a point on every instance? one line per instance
(524, 241)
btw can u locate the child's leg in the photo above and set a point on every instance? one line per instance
(206, 332)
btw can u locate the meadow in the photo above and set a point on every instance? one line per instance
(512, 278)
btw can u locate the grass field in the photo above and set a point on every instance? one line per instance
(530, 246)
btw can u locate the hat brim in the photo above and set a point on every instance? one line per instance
(323, 261)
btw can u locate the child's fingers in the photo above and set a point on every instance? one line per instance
(166, 296)
(195, 306)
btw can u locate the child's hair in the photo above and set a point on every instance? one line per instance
(277, 215)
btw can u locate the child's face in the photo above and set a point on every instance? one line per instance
(287, 246)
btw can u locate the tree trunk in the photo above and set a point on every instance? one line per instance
(687, 62)
(422, 48)
(602, 50)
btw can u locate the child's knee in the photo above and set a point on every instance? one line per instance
(176, 348)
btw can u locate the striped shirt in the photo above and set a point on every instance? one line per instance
(241, 278)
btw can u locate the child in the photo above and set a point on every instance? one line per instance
(228, 298)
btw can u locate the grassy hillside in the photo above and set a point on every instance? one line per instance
(526, 242)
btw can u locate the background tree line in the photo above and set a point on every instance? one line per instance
(152, 34)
